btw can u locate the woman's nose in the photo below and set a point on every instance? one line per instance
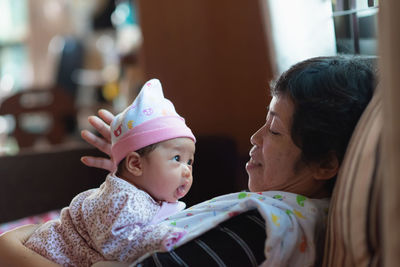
(255, 138)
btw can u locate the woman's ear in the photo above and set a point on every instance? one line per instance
(328, 167)
(133, 164)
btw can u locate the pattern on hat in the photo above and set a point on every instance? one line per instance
(151, 118)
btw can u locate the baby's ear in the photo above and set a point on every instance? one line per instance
(328, 167)
(133, 163)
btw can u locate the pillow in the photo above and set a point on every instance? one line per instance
(354, 215)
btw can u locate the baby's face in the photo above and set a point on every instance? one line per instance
(167, 170)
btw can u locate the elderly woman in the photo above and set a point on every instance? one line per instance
(314, 108)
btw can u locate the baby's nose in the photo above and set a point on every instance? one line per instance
(187, 172)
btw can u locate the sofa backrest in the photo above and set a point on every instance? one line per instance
(37, 182)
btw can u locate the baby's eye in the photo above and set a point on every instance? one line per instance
(177, 158)
(190, 162)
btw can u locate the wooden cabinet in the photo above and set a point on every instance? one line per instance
(212, 59)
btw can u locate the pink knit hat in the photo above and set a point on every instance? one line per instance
(150, 119)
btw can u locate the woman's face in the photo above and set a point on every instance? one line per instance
(274, 159)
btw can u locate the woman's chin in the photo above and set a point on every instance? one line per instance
(254, 181)
(252, 187)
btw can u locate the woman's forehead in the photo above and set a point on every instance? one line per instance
(281, 107)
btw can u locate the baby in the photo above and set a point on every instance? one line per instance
(154, 150)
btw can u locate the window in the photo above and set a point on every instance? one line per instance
(13, 51)
(356, 26)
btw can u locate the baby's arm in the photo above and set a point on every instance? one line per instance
(117, 220)
(14, 253)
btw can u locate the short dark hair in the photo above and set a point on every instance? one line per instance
(142, 152)
(147, 149)
(329, 96)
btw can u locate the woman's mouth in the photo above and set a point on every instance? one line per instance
(251, 164)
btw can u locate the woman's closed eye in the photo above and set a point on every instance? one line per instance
(273, 132)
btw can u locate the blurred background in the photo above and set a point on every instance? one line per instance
(62, 60)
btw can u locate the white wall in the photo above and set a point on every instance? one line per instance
(297, 30)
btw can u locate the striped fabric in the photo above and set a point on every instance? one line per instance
(238, 241)
(353, 229)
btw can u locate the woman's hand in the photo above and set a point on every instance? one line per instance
(14, 253)
(102, 125)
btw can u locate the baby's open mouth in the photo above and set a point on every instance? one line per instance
(181, 191)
